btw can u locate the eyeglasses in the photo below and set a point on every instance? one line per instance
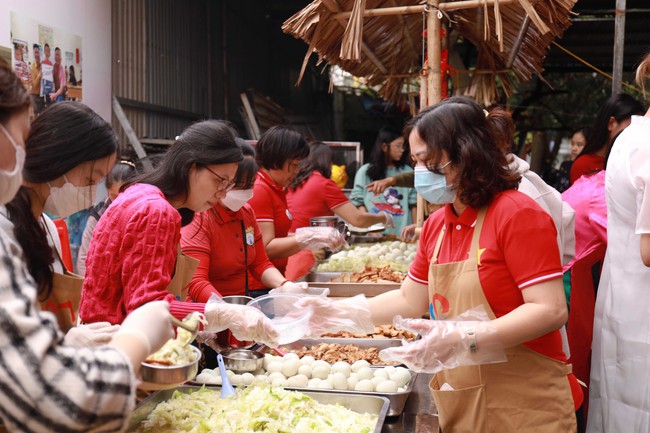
(224, 184)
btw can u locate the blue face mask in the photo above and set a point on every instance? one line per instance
(433, 186)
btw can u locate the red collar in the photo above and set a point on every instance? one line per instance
(225, 215)
(467, 218)
(270, 182)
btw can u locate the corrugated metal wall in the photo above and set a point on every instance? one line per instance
(161, 64)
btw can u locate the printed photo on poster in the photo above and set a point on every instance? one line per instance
(47, 59)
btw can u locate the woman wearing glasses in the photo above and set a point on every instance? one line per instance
(227, 241)
(488, 271)
(134, 256)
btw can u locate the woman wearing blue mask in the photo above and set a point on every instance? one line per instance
(488, 272)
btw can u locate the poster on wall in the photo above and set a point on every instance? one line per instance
(47, 59)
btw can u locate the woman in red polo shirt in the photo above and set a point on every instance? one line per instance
(488, 271)
(217, 239)
(279, 152)
(311, 194)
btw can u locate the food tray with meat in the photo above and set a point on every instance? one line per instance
(343, 349)
(374, 405)
(381, 331)
(340, 290)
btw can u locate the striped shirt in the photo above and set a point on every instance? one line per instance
(44, 385)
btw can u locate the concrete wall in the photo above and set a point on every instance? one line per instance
(89, 19)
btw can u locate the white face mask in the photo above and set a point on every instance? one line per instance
(10, 181)
(235, 199)
(68, 199)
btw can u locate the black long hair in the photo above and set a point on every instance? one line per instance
(621, 107)
(248, 168)
(62, 137)
(379, 160)
(319, 159)
(210, 142)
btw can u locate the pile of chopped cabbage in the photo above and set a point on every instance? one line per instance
(178, 351)
(253, 409)
(399, 255)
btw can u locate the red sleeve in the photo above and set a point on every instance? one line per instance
(149, 250)
(334, 196)
(196, 242)
(262, 203)
(180, 309)
(419, 271)
(529, 247)
(262, 262)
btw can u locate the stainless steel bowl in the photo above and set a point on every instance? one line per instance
(170, 374)
(237, 299)
(242, 360)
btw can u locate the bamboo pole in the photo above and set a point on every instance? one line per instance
(619, 45)
(434, 47)
(417, 9)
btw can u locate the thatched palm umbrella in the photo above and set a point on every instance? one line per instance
(381, 40)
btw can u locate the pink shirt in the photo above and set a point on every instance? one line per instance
(132, 256)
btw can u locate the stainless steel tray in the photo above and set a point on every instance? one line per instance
(357, 402)
(379, 343)
(323, 279)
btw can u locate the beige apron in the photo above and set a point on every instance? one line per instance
(495, 398)
(64, 299)
(183, 273)
(65, 296)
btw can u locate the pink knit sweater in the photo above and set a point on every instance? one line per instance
(132, 256)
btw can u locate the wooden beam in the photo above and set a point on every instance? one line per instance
(333, 7)
(417, 9)
(133, 139)
(405, 28)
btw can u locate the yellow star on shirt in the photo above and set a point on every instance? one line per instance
(478, 255)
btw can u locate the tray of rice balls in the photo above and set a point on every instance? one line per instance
(340, 363)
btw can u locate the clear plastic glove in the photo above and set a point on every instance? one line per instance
(313, 238)
(389, 219)
(300, 288)
(246, 323)
(90, 335)
(150, 323)
(446, 344)
(331, 316)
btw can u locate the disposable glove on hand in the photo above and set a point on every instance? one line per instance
(313, 238)
(245, 323)
(150, 323)
(90, 335)
(446, 345)
(389, 219)
(300, 288)
(330, 316)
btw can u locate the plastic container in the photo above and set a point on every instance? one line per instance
(291, 323)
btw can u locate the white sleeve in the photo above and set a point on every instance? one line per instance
(640, 173)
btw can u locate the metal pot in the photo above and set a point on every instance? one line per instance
(331, 221)
(237, 299)
(242, 360)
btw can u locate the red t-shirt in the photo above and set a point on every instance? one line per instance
(517, 249)
(215, 239)
(270, 205)
(317, 196)
(586, 164)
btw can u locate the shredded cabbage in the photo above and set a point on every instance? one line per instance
(178, 351)
(253, 409)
